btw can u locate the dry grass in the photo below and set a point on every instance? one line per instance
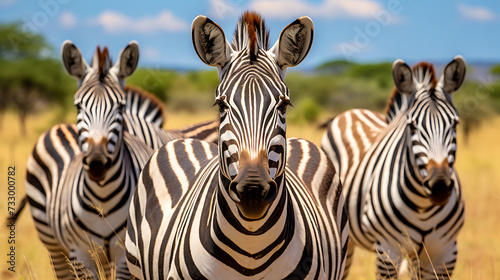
(478, 166)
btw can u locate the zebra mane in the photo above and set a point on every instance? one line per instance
(394, 101)
(423, 75)
(135, 94)
(251, 32)
(103, 61)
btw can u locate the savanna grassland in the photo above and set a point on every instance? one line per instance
(478, 165)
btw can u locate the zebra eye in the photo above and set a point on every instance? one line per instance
(121, 107)
(223, 107)
(413, 126)
(284, 102)
(411, 123)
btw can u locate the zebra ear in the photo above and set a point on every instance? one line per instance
(127, 61)
(210, 42)
(453, 75)
(403, 77)
(294, 43)
(73, 61)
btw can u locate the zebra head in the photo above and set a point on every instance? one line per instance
(431, 120)
(252, 99)
(100, 101)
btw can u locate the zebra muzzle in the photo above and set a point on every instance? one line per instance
(439, 184)
(96, 163)
(253, 189)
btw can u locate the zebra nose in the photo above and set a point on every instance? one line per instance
(95, 161)
(439, 185)
(253, 190)
(262, 190)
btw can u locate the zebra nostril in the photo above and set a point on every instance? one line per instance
(271, 193)
(233, 192)
(452, 184)
(427, 188)
(108, 164)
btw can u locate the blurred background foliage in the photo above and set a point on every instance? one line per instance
(31, 80)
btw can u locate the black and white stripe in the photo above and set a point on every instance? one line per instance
(207, 131)
(256, 207)
(79, 174)
(401, 188)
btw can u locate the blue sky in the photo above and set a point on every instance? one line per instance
(357, 30)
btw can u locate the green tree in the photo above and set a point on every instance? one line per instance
(16, 43)
(157, 81)
(475, 104)
(495, 70)
(28, 76)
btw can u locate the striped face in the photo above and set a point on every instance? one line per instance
(252, 100)
(431, 122)
(100, 123)
(100, 101)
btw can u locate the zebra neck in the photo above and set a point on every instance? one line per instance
(397, 104)
(254, 239)
(109, 192)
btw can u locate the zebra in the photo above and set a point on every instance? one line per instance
(207, 131)
(403, 195)
(79, 173)
(258, 205)
(147, 127)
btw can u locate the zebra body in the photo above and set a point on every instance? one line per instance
(144, 118)
(189, 217)
(79, 174)
(207, 131)
(403, 195)
(68, 208)
(256, 206)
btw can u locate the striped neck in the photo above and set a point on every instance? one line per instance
(397, 102)
(257, 236)
(115, 185)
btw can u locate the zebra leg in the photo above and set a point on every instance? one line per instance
(350, 252)
(58, 257)
(59, 261)
(81, 265)
(440, 261)
(387, 263)
(122, 269)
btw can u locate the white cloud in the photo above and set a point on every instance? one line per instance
(165, 21)
(329, 9)
(150, 53)
(67, 19)
(476, 13)
(6, 3)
